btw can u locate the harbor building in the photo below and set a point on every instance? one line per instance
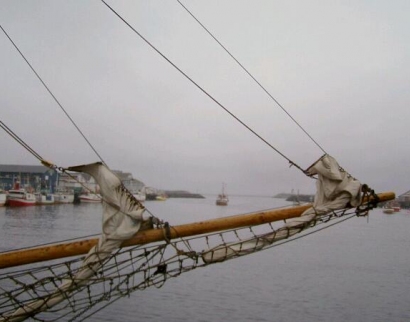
(36, 177)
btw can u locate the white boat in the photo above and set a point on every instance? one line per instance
(222, 199)
(3, 198)
(43, 198)
(20, 198)
(64, 196)
(90, 198)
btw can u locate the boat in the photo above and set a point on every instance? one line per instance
(44, 198)
(222, 199)
(63, 197)
(3, 198)
(90, 198)
(20, 198)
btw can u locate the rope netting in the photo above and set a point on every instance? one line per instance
(137, 268)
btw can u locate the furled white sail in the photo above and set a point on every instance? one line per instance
(122, 218)
(335, 189)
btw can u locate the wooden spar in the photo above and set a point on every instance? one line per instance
(44, 253)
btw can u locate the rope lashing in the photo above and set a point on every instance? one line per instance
(370, 201)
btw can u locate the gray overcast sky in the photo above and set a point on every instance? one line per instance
(340, 68)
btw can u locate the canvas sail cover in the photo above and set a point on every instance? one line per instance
(335, 190)
(122, 218)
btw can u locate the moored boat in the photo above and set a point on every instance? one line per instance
(43, 198)
(90, 198)
(62, 197)
(20, 198)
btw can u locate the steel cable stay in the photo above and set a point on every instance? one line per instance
(52, 95)
(201, 88)
(250, 75)
(292, 163)
(35, 154)
(31, 150)
(55, 167)
(20, 141)
(176, 67)
(50, 164)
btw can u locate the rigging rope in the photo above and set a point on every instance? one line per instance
(256, 81)
(50, 165)
(200, 88)
(32, 151)
(52, 95)
(20, 141)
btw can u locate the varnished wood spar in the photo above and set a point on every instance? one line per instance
(39, 254)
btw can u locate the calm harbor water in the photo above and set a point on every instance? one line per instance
(356, 271)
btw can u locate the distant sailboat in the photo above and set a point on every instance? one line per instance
(222, 199)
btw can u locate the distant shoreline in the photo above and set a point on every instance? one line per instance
(293, 197)
(182, 194)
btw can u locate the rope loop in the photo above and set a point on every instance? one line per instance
(371, 199)
(167, 232)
